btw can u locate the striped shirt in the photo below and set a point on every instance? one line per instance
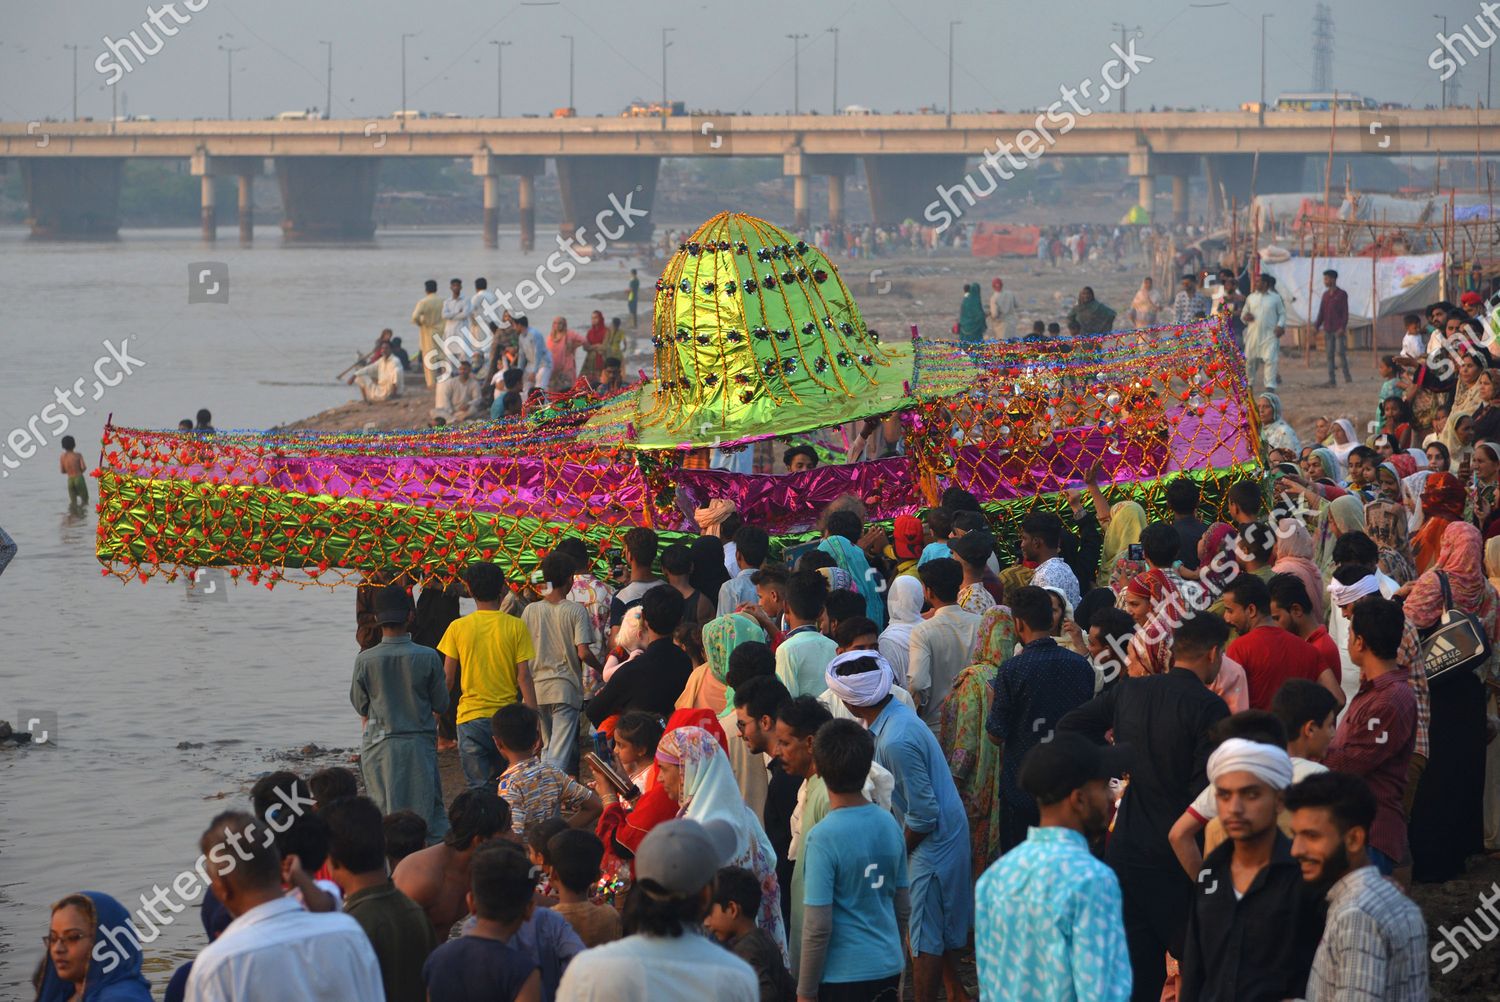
(1374, 946)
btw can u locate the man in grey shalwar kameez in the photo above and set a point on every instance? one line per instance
(398, 686)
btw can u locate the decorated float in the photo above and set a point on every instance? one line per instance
(756, 337)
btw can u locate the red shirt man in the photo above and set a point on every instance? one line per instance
(1269, 654)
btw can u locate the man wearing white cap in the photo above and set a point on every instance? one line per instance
(1248, 886)
(666, 957)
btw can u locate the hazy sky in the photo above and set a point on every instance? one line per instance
(724, 55)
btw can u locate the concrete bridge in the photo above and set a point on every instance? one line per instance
(915, 165)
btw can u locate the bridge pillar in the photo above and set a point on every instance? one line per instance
(327, 198)
(1145, 166)
(526, 205)
(247, 208)
(490, 167)
(597, 189)
(1145, 191)
(1179, 198)
(906, 185)
(209, 221)
(73, 198)
(801, 167)
(836, 199)
(208, 169)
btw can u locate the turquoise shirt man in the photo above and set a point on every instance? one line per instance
(1050, 923)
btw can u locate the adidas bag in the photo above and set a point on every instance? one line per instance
(1457, 643)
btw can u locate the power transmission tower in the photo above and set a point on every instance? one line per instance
(1322, 81)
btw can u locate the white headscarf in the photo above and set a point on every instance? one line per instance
(864, 689)
(1341, 452)
(1265, 762)
(904, 610)
(1343, 594)
(1414, 485)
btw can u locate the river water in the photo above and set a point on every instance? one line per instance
(161, 709)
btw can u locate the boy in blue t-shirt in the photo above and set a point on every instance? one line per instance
(855, 901)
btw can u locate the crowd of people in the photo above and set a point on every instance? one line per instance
(482, 361)
(1126, 757)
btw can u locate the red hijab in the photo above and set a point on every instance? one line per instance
(597, 331)
(1442, 502)
(656, 805)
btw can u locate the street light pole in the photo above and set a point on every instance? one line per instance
(665, 45)
(797, 72)
(328, 93)
(1123, 30)
(1261, 114)
(570, 71)
(75, 78)
(1443, 97)
(499, 76)
(404, 36)
(949, 109)
(229, 51)
(835, 33)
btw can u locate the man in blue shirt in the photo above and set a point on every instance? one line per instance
(1048, 913)
(751, 544)
(937, 828)
(1033, 690)
(855, 893)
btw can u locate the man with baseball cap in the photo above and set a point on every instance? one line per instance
(907, 539)
(1049, 922)
(398, 686)
(665, 957)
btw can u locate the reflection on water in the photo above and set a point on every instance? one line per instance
(168, 701)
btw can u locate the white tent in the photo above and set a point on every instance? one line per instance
(1404, 284)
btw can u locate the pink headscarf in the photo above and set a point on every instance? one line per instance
(1461, 558)
(1294, 555)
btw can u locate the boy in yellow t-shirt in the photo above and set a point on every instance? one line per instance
(493, 653)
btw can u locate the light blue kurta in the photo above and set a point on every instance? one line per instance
(398, 685)
(926, 801)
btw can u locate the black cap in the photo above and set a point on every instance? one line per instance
(1055, 768)
(974, 547)
(392, 606)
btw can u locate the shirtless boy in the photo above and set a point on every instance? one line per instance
(437, 877)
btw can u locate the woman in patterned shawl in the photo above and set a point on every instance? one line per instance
(973, 758)
(695, 769)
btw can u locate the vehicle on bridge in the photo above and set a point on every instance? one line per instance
(654, 109)
(1322, 101)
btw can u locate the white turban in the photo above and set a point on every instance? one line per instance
(1265, 762)
(866, 688)
(1343, 594)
